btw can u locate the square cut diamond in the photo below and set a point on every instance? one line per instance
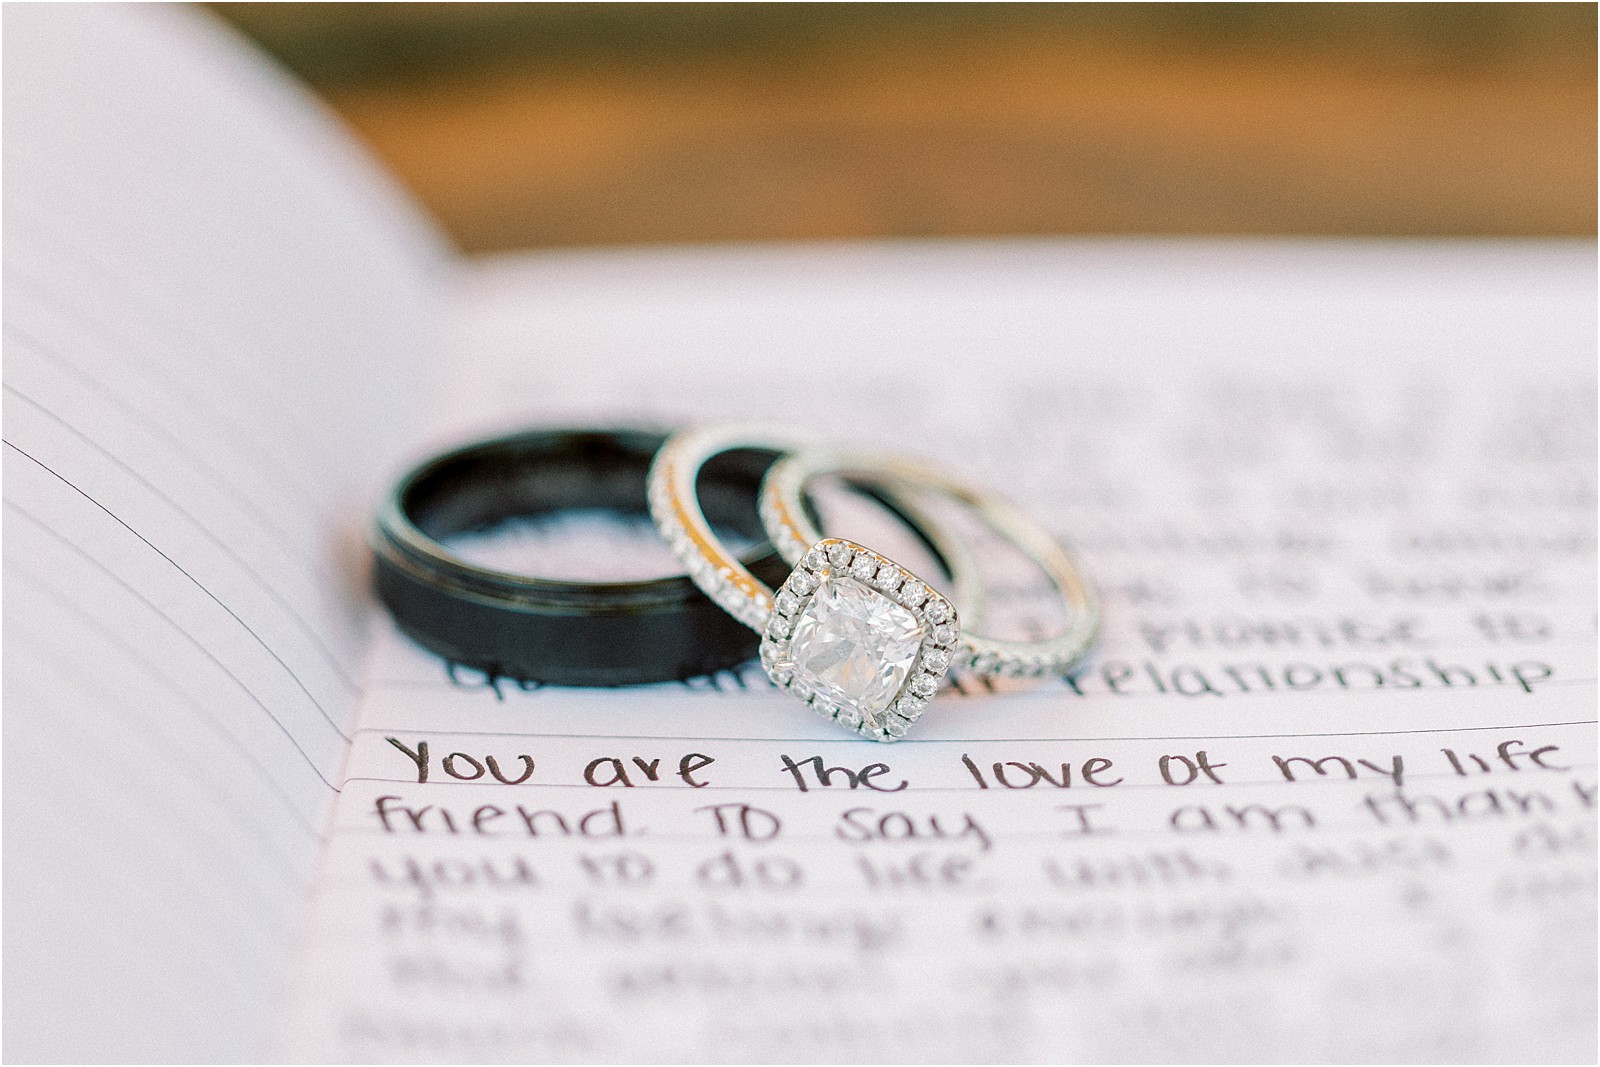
(854, 645)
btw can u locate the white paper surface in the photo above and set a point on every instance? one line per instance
(215, 319)
(1339, 499)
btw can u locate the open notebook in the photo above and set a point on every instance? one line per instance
(1324, 792)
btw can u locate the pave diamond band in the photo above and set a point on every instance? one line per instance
(675, 507)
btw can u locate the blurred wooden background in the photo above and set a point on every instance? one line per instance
(525, 125)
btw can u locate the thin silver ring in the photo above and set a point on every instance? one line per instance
(792, 532)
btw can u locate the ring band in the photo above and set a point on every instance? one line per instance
(852, 633)
(546, 630)
(794, 531)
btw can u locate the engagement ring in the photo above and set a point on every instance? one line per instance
(857, 636)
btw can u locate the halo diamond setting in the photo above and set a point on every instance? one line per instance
(860, 639)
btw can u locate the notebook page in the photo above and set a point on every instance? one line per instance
(1323, 792)
(215, 318)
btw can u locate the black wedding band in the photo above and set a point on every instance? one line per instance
(546, 630)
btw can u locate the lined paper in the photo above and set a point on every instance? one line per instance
(1323, 792)
(215, 320)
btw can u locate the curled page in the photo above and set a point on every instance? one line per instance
(216, 315)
